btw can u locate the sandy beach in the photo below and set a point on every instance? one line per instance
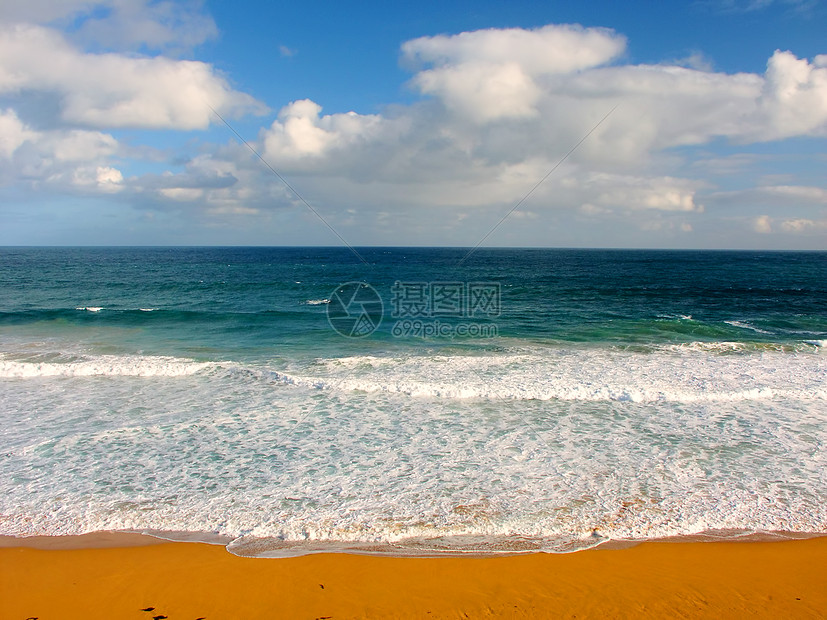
(193, 580)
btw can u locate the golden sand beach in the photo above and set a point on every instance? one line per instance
(187, 581)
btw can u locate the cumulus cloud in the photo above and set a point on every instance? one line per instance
(13, 133)
(501, 97)
(794, 97)
(503, 106)
(496, 74)
(113, 90)
(101, 180)
(63, 160)
(548, 50)
(301, 132)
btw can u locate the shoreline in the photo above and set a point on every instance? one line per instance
(258, 547)
(198, 580)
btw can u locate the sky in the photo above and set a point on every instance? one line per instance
(699, 124)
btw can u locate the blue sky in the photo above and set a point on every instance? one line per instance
(414, 123)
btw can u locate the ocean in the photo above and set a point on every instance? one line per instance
(414, 401)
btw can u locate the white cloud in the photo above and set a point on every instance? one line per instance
(61, 159)
(794, 97)
(762, 224)
(100, 180)
(797, 226)
(13, 133)
(297, 131)
(78, 145)
(552, 49)
(484, 92)
(494, 74)
(148, 24)
(520, 115)
(113, 90)
(499, 98)
(120, 24)
(635, 193)
(109, 175)
(300, 132)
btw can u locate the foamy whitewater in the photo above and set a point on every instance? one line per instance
(623, 395)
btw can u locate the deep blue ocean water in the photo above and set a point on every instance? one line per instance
(520, 399)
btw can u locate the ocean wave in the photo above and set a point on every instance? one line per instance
(683, 373)
(691, 373)
(742, 325)
(725, 347)
(105, 365)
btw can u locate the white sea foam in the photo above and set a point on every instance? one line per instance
(681, 373)
(531, 448)
(105, 365)
(317, 302)
(689, 373)
(90, 308)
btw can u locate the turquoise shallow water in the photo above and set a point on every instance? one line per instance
(520, 399)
